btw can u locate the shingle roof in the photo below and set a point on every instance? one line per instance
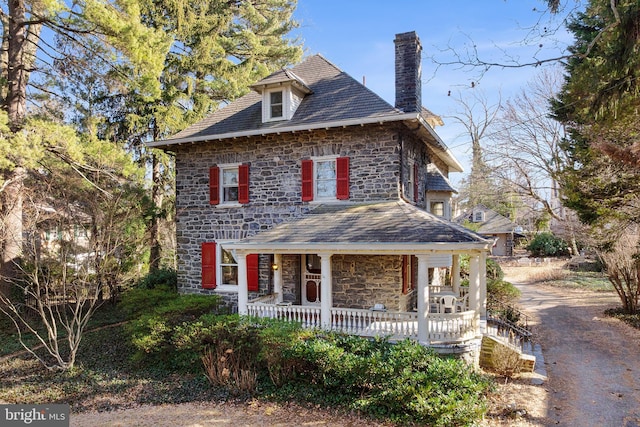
(336, 96)
(493, 223)
(394, 222)
(437, 182)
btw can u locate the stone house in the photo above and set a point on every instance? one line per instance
(489, 223)
(309, 199)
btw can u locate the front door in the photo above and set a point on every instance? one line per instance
(310, 286)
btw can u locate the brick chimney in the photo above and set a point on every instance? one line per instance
(408, 72)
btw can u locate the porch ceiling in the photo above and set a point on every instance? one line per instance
(386, 227)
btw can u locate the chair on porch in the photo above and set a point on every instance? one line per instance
(448, 304)
(462, 304)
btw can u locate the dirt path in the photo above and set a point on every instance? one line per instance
(592, 361)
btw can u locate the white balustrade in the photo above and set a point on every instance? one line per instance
(443, 327)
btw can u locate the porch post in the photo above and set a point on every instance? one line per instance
(423, 299)
(455, 273)
(277, 276)
(243, 289)
(474, 283)
(326, 290)
(483, 285)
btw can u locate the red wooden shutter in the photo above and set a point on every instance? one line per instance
(405, 274)
(209, 265)
(415, 182)
(243, 183)
(342, 176)
(307, 180)
(214, 185)
(252, 272)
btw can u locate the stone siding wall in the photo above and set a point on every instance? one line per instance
(362, 281)
(275, 184)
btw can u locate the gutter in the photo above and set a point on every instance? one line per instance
(297, 128)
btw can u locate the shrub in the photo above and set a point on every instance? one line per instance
(494, 271)
(164, 277)
(502, 291)
(404, 382)
(546, 244)
(155, 314)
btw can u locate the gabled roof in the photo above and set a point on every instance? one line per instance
(493, 223)
(280, 77)
(384, 227)
(335, 100)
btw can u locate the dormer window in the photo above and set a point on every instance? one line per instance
(478, 216)
(282, 92)
(276, 105)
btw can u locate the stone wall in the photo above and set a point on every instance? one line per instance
(375, 152)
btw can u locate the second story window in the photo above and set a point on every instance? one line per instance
(325, 175)
(325, 178)
(276, 105)
(229, 184)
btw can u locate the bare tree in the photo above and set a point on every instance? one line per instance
(476, 115)
(527, 152)
(620, 257)
(57, 293)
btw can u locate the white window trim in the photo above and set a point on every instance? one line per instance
(222, 287)
(317, 160)
(224, 203)
(286, 104)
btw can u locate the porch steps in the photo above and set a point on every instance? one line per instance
(496, 354)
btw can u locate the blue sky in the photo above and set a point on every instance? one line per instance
(357, 36)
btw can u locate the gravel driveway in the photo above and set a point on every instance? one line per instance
(592, 362)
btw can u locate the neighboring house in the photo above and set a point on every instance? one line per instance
(308, 198)
(491, 224)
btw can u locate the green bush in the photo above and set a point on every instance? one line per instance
(403, 382)
(548, 245)
(164, 277)
(502, 291)
(155, 314)
(494, 271)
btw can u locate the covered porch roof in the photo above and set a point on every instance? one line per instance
(369, 228)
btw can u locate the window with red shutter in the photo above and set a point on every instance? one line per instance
(243, 183)
(307, 180)
(214, 185)
(415, 182)
(342, 178)
(209, 265)
(253, 275)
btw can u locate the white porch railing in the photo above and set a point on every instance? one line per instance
(443, 327)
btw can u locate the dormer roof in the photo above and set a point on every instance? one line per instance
(281, 78)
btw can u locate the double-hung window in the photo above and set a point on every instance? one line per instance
(229, 184)
(276, 105)
(220, 268)
(325, 178)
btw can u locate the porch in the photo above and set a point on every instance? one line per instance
(442, 328)
(372, 273)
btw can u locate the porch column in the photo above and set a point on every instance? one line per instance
(326, 290)
(483, 285)
(277, 276)
(243, 289)
(423, 299)
(474, 283)
(455, 273)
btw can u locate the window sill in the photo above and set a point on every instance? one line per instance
(227, 288)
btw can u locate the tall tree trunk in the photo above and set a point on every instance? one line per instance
(20, 41)
(154, 231)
